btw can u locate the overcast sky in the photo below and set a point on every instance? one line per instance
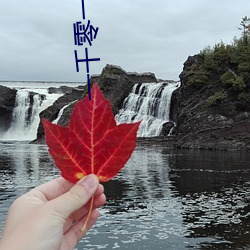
(37, 37)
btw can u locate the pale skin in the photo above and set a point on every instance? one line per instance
(50, 217)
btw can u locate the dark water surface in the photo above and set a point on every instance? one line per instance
(161, 200)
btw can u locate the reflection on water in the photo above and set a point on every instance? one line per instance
(160, 200)
(141, 209)
(22, 167)
(215, 191)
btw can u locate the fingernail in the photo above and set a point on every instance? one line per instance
(89, 182)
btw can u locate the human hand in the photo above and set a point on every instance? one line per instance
(50, 216)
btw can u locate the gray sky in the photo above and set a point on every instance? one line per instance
(37, 38)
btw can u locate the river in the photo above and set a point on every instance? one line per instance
(162, 199)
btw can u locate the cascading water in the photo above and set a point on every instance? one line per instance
(149, 103)
(25, 117)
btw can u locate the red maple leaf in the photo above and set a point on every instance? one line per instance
(92, 142)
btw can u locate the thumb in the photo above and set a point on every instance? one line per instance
(76, 197)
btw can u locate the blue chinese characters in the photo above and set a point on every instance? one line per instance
(82, 34)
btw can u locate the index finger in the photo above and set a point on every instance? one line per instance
(54, 188)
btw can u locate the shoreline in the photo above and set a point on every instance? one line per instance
(171, 143)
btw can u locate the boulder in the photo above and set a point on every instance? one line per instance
(7, 104)
(116, 83)
(51, 113)
(64, 89)
(166, 128)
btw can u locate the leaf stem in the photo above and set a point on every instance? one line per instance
(84, 228)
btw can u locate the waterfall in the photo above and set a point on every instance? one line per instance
(149, 103)
(25, 116)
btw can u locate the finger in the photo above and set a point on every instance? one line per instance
(75, 234)
(77, 215)
(99, 191)
(54, 188)
(75, 198)
(99, 201)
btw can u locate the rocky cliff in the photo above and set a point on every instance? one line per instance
(7, 104)
(210, 114)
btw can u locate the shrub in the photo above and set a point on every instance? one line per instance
(197, 75)
(227, 78)
(206, 51)
(234, 81)
(239, 84)
(216, 98)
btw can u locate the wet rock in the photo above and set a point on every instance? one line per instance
(51, 113)
(64, 89)
(7, 105)
(166, 128)
(116, 83)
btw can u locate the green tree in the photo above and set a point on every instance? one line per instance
(245, 28)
